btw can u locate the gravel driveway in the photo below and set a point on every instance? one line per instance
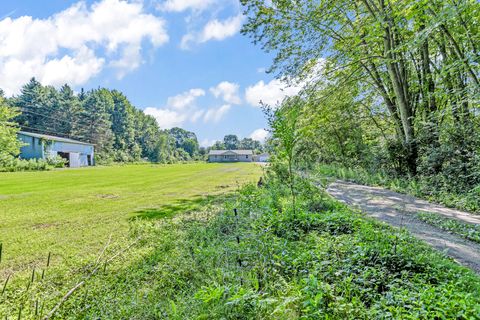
(399, 210)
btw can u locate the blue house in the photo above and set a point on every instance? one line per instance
(42, 146)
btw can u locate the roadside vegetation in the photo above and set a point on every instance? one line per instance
(390, 89)
(249, 256)
(465, 230)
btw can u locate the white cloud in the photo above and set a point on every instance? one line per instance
(183, 5)
(214, 30)
(216, 114)
(259, 135)
(270, 93)
(262, 70)
(228, 91)
(73, 70)
(181, 109)
(167, 118)
(76, 44)
(186, 99)
(275, 91)
(219, 30)
(130, 60)
(197, 115)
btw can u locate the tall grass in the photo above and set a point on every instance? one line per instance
(249, 257)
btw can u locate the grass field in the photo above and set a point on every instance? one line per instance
(242, 255)
(72, 213)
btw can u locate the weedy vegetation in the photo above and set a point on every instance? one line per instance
(465, 230)
(246, 255)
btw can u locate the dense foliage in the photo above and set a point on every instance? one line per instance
(232, 142)
(390, 86)
(468, 231)
(185, 140)
(104, 117)
(9, 145)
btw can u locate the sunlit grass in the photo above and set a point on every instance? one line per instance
(72, 213)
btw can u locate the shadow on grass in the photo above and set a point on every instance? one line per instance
(179, 206)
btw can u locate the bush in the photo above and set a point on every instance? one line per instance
(12, 164)
(57, 162)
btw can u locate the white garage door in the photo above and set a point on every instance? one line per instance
(74, 160)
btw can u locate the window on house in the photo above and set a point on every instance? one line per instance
(246, 156)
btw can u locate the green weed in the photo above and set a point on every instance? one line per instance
(465, 230)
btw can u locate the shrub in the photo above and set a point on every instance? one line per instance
(57, 162)
(12, 164)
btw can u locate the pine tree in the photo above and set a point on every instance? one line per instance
(30, 102)
(96, 124)
(123, 127)
(69, 109)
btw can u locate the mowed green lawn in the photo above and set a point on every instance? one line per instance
(73, 212)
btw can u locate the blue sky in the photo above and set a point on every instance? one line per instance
(182, 61)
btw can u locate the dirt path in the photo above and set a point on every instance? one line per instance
(399, 210)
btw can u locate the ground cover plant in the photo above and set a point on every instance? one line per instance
(248, 257)
(465, 230)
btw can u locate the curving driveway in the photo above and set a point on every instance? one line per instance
(399, 210)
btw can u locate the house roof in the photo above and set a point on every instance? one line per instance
(238, 152)
(54, 138)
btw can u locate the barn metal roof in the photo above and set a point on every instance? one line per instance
(238, 152)
(53, 138)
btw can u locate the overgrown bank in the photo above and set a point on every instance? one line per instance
(264, 263)
(267, 263)
(389, 86)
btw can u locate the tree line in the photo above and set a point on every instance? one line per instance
(232, 142)
(106, 118)
(389, 86)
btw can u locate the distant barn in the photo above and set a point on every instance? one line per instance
(42, 146)
(230, 156)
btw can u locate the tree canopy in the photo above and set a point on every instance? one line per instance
(388, 85)
(9, 145)
(232, 142)
(104, 117)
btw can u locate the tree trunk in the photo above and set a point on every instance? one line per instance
(404, 107)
